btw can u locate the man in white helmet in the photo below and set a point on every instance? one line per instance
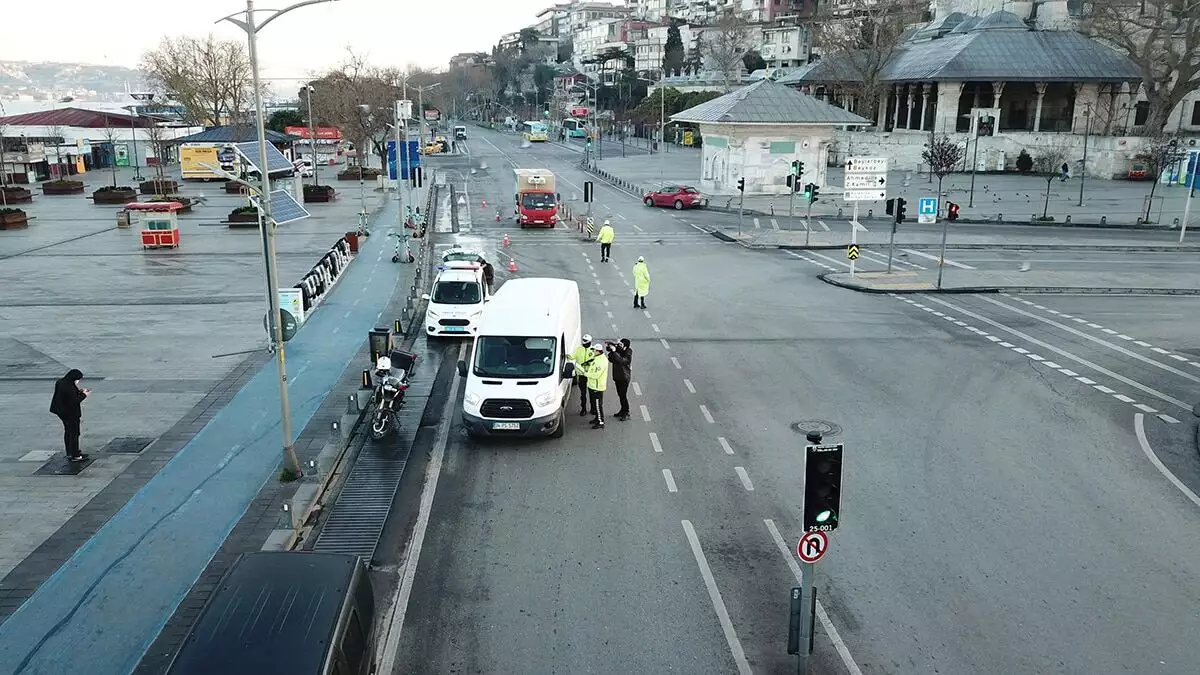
(605, 236)
(582, 357)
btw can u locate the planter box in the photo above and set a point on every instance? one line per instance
(157, 187)
(13, 221)
(71, 187)
(242, 219)
(235, 188)
(352, 174)
(119, 196)
(186, 201)
(318, 193)
(16, 195)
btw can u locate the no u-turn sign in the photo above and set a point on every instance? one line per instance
(812, 546)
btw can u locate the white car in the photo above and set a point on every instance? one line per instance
(456, 300)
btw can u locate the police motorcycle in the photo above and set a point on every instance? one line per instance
(389, 393)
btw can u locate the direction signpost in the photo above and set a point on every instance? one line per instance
(865, 180)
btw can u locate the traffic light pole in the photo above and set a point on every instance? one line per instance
(891, 245)
(942, 256)
(741, 210)
(808, 223)
(807, 604)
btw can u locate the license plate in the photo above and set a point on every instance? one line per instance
(454, 329)
(538, 222)
(506, 426)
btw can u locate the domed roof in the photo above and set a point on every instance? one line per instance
(1001, 20)
(965, 25)
(941, 26)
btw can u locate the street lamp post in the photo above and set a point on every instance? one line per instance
(137, 173)
(312, 137)
(1187, 205)
(1087, 116)
(266, 225)
(421, 109)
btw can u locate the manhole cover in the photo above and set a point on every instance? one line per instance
(127, 445)
(59, 465)
(826, 429)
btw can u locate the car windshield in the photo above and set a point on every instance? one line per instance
(457, 293)
(538, 200)
(514, 356)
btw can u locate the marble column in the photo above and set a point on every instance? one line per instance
(1037, 113)
(896, 109)
(924, 105)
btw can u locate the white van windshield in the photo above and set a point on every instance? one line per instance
(457, 293)
(514, 356)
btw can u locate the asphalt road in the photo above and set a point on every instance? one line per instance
(1018, 493)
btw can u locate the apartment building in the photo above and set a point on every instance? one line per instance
(786, 43)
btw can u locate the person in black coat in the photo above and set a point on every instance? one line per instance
(68, 396)
(620, 355)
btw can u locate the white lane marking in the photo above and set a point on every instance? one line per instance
(725, 445)
(822, 615)
(390, 644)
(1067, 355)
(1069, 373)
(654, 442)
(993, 338)
(1125, 337)
(858, 226)
(622, 216)
(601, 290)
(596, 280)
(1177, 357)
(664, 342)
(1109, 331)
(832, 260)
(1006, 344)
(670, 481)
(636, 227)
(614, 327)
(1035, 357)
(594, 274)
(1168, 419)
(1144, 408)
(1085, 380)
(1123, 398)
(745, 478)
(646, 312)
(346, 315)
(707, 415)
(591, 267)
(655, 327)
(714, 594)
(675, 362)
(606, 303)
(1141, 343)
(336, 329)
(1115, 347)
(1093, 325)
(645, 413)
(757, 224)
(1051, 364)
(1020, 350)
(774, 224)
(824, 227)
(610, 314)
(637, 389)
(688, 383)
(1139, 427)
(1103, 389)
(937, 313)
(934, 258)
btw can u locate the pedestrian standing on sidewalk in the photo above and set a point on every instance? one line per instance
(597, 382)
(641, 283)
(1065, 173)
(620, 355)
(68, 396)
(581, 357)
(605, 237)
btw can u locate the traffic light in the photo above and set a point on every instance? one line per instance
(890, 209)
(588, 191)
(822, 487)
(813, 192)
(416, 176)
(793, 183)
(797, 168)
(900, 209)
(952, 211)
(741, 185)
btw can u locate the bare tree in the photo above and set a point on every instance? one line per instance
(56, 133)
(858, 45)
(210, 78)
(1162, 151)
(361, 102)
(729, 40)
(1162, 37)
(1049, 164)
(159, 145)
(942, 154)
(110, 136)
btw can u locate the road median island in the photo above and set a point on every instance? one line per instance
(989, 281)
(799, 240)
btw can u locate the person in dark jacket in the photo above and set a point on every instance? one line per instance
(68, 396)
(489, 276)
(620, 355)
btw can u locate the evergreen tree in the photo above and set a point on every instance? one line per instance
(673, 52)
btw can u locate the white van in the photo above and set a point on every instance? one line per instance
(456, 300)
(518, 377)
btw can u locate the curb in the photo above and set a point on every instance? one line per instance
(1189, 248)
(1032, 290)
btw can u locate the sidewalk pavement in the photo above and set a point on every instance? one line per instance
(111, 598)
(1006, 197)
(987, 281)
(1034, 239)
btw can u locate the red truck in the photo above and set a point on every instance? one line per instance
(537, 201)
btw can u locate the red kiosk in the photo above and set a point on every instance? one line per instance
(159, 222)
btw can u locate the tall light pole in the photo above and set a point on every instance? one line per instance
(142, 98)
(1087, 116)
(421, 109)
(1187, 206)
(312, 135)
(266, 226)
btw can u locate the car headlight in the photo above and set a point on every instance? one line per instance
(475, 315)
(545, 399)
(471, 399)
(431, 312)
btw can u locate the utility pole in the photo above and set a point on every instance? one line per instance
(1087, 117)
(312, 137)
(267, 223)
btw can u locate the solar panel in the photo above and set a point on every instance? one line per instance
(276, 162)
(285, 208)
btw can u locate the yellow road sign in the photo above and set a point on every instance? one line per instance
(852, 252)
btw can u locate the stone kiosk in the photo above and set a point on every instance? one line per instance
(756, 132)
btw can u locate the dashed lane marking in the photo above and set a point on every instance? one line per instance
(637, 389)
(655, 327)
(664, 342)
(714, 594)
(675, 362)
(824, 227)
(645, 413)
(744, 477)
(725, 445)
(707, 415)
(688, 383)
(774, 224)
(667, 476)
(654, 442)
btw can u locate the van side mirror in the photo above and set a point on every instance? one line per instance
(568, 370)
(424, 296)
(462, 368)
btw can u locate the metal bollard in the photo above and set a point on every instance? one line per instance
(839, 213)
(1103, 220)
(999, 217)
(1068, 219)
(870, 213)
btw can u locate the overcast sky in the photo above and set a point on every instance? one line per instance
(307, 40)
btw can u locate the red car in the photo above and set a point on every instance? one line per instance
(677, 196)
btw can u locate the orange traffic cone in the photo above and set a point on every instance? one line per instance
(506, 243)
(497, 216)
(483, 203)
(512, 265)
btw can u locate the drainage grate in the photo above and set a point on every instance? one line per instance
(357, 518)
(127, 445)
(825, 428)
(59, 465)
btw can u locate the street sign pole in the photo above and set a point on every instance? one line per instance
(808, 223)
(891, 245)
(807, 572)
(792, 201)
(942, 255)
(741, 210)
(853, 234)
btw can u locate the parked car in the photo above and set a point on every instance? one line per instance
(678, 197)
